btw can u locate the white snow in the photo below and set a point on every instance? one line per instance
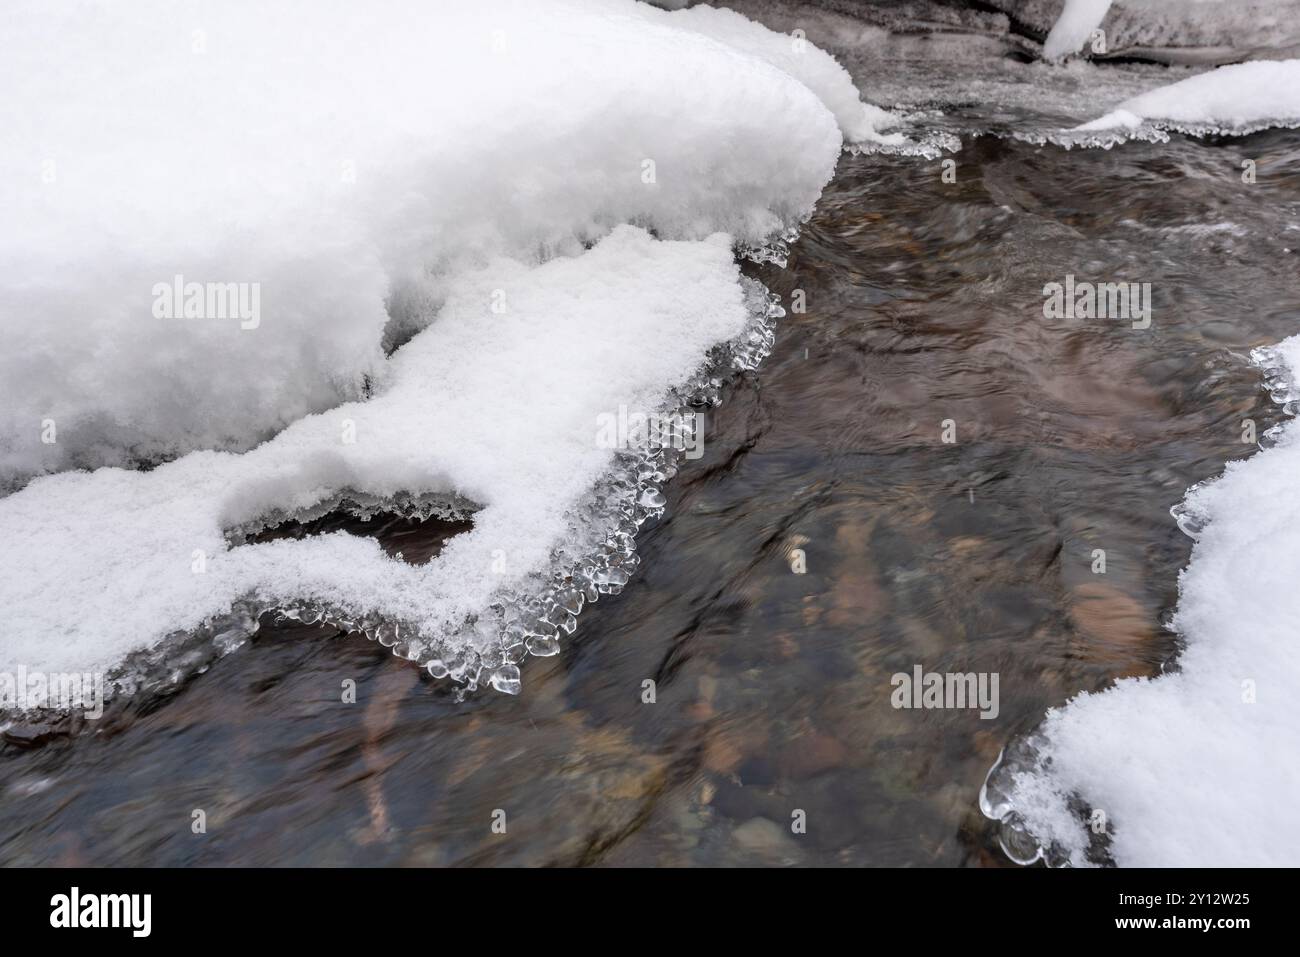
(349, 159)
(1236, 97)
(474, 183)
(1187, 31)
(496, 407)
(1197, 767)
(814, 68)
(1073, 27)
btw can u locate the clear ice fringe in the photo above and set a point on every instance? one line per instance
(597, 558)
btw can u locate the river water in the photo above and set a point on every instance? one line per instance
(772, 688)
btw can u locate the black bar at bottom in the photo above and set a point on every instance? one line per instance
(332, 907)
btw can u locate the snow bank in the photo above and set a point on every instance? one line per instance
(499, 408)
(345, 162)
(426, 244)
(1195, 768)
(816, 69)
(1240, 97)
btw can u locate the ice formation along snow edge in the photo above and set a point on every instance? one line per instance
(450, 289)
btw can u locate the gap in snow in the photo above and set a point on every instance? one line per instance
(405, 527)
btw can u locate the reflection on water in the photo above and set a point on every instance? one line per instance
(772, 689)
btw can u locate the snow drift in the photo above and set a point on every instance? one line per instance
(426, 244)
(495, 409)
(347, 162)
(1238, 98)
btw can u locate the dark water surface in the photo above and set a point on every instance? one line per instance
(924, 304)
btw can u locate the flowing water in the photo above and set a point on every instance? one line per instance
(924, 320)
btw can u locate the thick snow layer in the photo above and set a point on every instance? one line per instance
(343, 162)
(1236, 97)
(816, 69)
(499, 407)
(1197, 767)
(414, 250)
